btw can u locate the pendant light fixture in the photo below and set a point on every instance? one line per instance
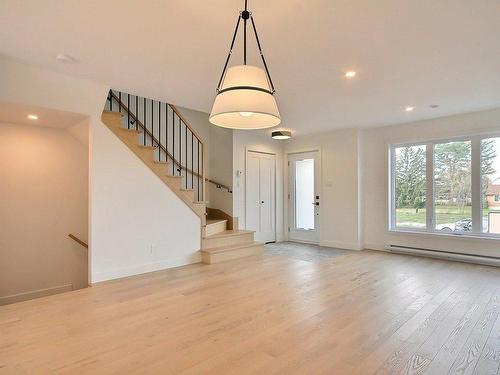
(245, 93)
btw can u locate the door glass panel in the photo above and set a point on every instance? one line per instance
(452, 182)
(304, 194)
(490, 178)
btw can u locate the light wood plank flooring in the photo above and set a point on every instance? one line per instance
(362, 313)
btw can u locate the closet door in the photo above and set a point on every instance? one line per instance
(260, 195)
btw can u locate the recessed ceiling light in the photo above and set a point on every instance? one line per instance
(281, 134)
(409, 108)
(434, 106)
(350, 74)
(33, 117)
(65, 58)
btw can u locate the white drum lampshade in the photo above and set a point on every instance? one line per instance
(245, 101)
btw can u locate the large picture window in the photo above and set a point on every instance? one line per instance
(446, 186)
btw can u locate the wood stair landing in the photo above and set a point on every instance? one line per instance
(219, 244)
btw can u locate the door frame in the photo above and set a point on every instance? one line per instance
(274, 205)
(287, 193)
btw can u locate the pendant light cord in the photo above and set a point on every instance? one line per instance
(245, 15)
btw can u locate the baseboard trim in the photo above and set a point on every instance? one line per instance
(447, 255)
(376, 247)
(25, 296)
(120, 273)
(341, 245)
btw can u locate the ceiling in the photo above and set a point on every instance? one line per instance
(406, 52)
(15, 113)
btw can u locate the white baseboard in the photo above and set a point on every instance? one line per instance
(342, 245)
(35, 294)
(446, 255)
(119, 273)
(378, 247)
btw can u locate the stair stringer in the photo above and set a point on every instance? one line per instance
(113, 120)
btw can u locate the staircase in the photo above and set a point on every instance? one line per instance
(158, 134)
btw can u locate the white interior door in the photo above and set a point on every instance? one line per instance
(304, 196)
(260, 195)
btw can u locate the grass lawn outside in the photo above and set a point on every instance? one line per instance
(444, 215)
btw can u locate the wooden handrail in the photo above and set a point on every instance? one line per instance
(183, 119)
(177, 163)
(143, 127)
(229, 190)
(75, 238)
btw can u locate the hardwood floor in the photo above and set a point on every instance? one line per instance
(362, 313)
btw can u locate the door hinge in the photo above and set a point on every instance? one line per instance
(288, 195)
(288, 229)
(288, 163)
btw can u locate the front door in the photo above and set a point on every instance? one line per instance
(304, 196)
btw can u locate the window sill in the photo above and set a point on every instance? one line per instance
(471, 236)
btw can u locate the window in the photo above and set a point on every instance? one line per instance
(449, 186)
(452, 186)
(410, 186)
(490, 185)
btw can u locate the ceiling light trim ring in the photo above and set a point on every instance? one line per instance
(255, 88)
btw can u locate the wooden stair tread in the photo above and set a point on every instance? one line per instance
(231, 233)
(152, 148)
(131, 131)
(224, 249)
(215, 221)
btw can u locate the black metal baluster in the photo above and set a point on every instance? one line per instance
(128, 111)
(173, 143)
(192, 160)
(180, 148)
(119, 101)
(186, 159)
(159, 130)
(152, 123)
(111, 100)
(136, 112)
(166, 131)
(144, 120)
(198, 169)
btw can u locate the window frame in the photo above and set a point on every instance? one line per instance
(476, 187)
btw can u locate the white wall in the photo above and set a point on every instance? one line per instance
(221, 168)
(44, 190)
(138, 224)
(375, 169)
(218, 157)
(339, 196)
(256, 140)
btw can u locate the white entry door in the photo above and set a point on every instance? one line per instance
(260, 195)
(304, 196)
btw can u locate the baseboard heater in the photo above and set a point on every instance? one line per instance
(449, 255)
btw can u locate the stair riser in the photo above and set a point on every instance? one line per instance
(231, 255)
(189, 194)
(212, 229)
(208, 243)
